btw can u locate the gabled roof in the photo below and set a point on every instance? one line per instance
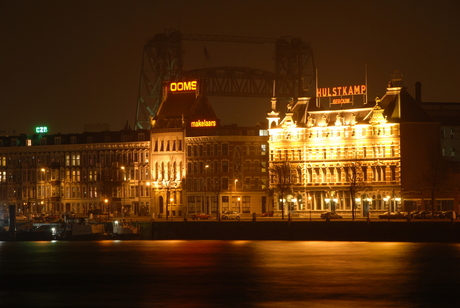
(400, 106)
(180, 107)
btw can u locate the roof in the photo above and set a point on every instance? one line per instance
(178, 108)
(401, 107)
(396, 106)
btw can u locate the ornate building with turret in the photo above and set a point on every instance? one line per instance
(355, 159)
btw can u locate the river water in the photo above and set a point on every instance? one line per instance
(229, 274)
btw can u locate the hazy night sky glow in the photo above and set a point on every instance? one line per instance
(68, 63)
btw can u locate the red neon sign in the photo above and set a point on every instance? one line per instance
(341, 91)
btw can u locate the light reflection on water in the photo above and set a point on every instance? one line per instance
(228, 274)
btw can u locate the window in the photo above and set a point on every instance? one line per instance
(246, 208)
(225, 203)
(225, 166)
(224, 149)
(263, 166)
(263, 149)
(224, 183)
(247, 183)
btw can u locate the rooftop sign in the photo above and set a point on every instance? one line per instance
(183, 86)
(41, 129)
(341, 91)
(203, 123)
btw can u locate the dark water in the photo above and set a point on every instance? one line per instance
(228, 274)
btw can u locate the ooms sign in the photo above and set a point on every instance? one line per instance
(182, 86)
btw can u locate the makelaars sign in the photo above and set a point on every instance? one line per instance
(203, 123)
(183, 86)
(341, 91)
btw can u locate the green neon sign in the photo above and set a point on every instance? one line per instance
(41, 129)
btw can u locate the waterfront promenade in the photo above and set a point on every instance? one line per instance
(304, 229)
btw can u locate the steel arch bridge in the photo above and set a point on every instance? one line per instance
(294, 72)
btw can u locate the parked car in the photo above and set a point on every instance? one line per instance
(95, 211)
(423, 215)
(104, 215)
(386, 215)
(400, 215)
(201, 216)
(267, 214)
(231, 215)
(332, 215)
(448, 214)
(444, 214)
(20, 217)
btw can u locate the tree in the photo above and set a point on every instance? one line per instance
(110, 180)
(355, 179)
(436, 177)
(281, 171)
(217, 188)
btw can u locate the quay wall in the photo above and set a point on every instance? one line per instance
(387, 231)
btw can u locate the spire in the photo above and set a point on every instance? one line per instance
(377, 114)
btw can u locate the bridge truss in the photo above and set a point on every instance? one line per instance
(294, 71)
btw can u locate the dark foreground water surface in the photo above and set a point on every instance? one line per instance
(228, 274)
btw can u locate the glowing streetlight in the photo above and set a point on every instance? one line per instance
(206, 210)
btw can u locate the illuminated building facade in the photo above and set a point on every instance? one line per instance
(199, 165)
(355, 160)
(76, 172)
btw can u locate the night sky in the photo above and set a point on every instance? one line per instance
(68, 63)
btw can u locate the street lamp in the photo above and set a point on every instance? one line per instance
(107, 207)
(388, 205)
(328, 202)
(397, 200)
(123, 192)
(368, 207)
(205, 188)
(149, 189)
(385, 199)
(358, 202)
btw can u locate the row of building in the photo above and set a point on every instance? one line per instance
(325, 153)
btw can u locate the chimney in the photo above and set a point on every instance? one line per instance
(418, 92)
